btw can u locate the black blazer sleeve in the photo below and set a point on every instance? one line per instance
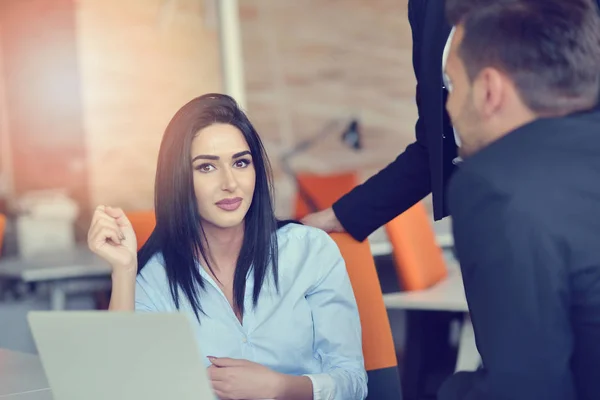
(517, 286)
(402, 183)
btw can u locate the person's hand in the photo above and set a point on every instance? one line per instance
(111, 236)
(325, 220)
(234, 379)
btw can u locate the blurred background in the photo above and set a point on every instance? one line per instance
(87, 88)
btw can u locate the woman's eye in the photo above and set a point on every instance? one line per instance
(205, 167)
(243, 163)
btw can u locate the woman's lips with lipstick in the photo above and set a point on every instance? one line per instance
(229, 204)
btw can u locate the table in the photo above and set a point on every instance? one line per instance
(380, 245)
(448, 295)
(44, 394)
(62, 270)
(22, 377)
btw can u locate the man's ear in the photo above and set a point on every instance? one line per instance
(489, 91)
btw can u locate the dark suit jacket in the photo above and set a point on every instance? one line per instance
(526, 220)
(425, 165)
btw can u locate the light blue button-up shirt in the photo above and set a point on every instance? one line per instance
(311, 327)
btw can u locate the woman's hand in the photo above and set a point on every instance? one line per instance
(234, 379)
(111, 236)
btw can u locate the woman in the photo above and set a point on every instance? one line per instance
(273, 307)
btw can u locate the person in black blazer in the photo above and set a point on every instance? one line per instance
(426, 165)
(524, 82)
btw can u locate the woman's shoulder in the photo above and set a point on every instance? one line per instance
(153, 270)
(304, 242)
(307, 254)
(291, 230)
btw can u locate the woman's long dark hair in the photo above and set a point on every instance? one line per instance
(178, 234)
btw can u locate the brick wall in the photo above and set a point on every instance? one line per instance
(141, 60)
(309, 62)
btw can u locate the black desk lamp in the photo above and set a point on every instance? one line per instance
(351, 137)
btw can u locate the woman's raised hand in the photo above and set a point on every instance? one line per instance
(111, 236)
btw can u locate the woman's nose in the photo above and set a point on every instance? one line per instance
(229, 182)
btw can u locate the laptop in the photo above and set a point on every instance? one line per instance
(100, 355)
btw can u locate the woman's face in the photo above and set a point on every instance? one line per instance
(224, 175)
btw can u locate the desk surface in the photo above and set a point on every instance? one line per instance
(448, 295)
(22, 374)
(43, 394)
(78, 262)
(381, 246)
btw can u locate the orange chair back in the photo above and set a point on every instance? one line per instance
(2, 229)
(418, 258)
(324, 190)
(143, 223)
(378, 344)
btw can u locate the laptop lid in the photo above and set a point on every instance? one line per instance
(100, 355)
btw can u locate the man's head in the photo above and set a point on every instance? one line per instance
(512, 61)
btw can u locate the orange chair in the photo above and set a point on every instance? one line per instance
(143, 223)
(2, 228)
(378, 344)
(324, 190)
(427, 282)
(419, 260)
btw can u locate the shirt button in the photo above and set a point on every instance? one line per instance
(245, 340)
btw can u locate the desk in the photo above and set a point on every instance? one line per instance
(44, 394)
(22, 374)
(380, 245)
(62, 270)
(448, 295)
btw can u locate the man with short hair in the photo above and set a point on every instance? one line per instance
(523, 79)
